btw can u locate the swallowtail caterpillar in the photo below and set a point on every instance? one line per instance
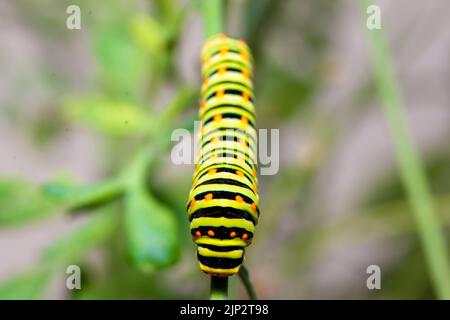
(223, 206)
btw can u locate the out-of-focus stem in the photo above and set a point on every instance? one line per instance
(412, 174)
(245, 278)
(212, 11)
(219, 288)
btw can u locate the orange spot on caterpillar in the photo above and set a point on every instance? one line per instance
(244, 236)
(253, 206)
(214, 139)
(240, 174)
(217, 117)
(246, 74)
(245, 96)
(203, 105)
(212, 171)
(209, 196)
(220, 93)
(232, 234)
(239, 199)
(244, 120)
(222, 70)
(198, 234)
(193, 201)
(223, 50)
(211, 233)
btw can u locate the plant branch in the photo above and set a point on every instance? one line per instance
(212, 11)
(412, 174)
(219, 288)
(245, 278)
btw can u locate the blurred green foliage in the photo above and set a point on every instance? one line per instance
(110, 117)
(135, 215)
(30, 285)
(132, 54)
(22, 202)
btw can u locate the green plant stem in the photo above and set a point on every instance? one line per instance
(412, 174)
(219, 288)
(94, 196)
(212, 11)
(185, 96)
(245, 278)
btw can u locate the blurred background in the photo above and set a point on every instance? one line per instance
(85, 123)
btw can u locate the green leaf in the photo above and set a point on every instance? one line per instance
(148, 34)
(172, 16)
(116, 118)
(151, 231)
(255, 17)
(75, 197)
(30, 285)
(124, 66)
(21, 201)
(70, 248)
(287, 90)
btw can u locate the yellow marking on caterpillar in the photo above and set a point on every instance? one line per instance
(235, 254)
(213, 142)
(225, 175)
(223, 75)
(229, 99)
(235, 242)
(232, 163)
(223, 222)
(228, 122)
(238, 170)
(221, 87)
(231, 147)
(224, 187)
(220, 272)
(201, 204)
(229, 109)
(206, 72)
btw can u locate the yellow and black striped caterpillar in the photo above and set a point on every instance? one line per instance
(223, 206)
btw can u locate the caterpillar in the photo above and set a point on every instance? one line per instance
(223, 204)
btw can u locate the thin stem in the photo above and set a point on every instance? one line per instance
(212, 11)
(219, 288)
(185, 96)
(245, 278)
(412, 174)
